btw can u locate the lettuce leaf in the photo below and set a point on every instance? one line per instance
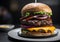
(27, 14)
(41, 12)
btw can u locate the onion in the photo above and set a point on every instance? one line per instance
(41, 17)
(24, 26)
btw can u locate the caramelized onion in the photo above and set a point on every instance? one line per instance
(39, 17)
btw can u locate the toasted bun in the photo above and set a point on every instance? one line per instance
(36, 7)
(39, 34)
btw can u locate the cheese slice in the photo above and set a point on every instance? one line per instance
(51, 28)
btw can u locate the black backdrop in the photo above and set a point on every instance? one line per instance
(54, 4)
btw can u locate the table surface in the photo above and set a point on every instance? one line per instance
(4, 36)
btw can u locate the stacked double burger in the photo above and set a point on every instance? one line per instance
(36, 20)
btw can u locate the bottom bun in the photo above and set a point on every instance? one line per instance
(39, 34)
(36, 34)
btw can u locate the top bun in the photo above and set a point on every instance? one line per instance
(36, 7)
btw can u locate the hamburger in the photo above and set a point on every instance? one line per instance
(36, 20)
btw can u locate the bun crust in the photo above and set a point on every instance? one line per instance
(39, 34)
(36, 7)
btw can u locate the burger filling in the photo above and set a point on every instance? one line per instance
(36, 19)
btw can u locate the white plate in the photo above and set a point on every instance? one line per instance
(14, 34)
(6, 27)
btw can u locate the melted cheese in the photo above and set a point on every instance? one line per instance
(51, 28)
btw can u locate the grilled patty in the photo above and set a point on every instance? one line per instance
(37, 21)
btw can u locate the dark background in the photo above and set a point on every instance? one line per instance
(54, 4)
